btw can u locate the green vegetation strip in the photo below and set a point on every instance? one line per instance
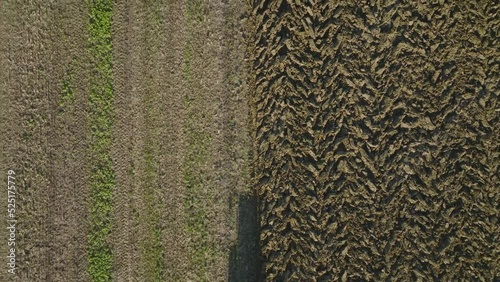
(102, 177)
(197, 156)
(198, 140)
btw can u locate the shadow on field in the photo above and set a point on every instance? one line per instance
(245, 260)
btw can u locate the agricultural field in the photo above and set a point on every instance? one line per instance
(124, 122)
(245, 141)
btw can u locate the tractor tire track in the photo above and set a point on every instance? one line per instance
(150, 108)
(172, 93)
(125, 199)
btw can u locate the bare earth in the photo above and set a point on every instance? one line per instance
(179, 137)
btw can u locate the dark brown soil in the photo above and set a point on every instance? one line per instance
(376, 139)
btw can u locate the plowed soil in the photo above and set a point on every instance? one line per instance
(376, 128)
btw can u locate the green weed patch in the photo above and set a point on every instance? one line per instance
(102, 175)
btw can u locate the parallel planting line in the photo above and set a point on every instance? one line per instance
(154, 247)
(102, 177)
(198, 145)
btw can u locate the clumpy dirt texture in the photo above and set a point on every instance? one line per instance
(375, 139)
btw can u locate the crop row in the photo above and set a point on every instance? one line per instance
(102, 177)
